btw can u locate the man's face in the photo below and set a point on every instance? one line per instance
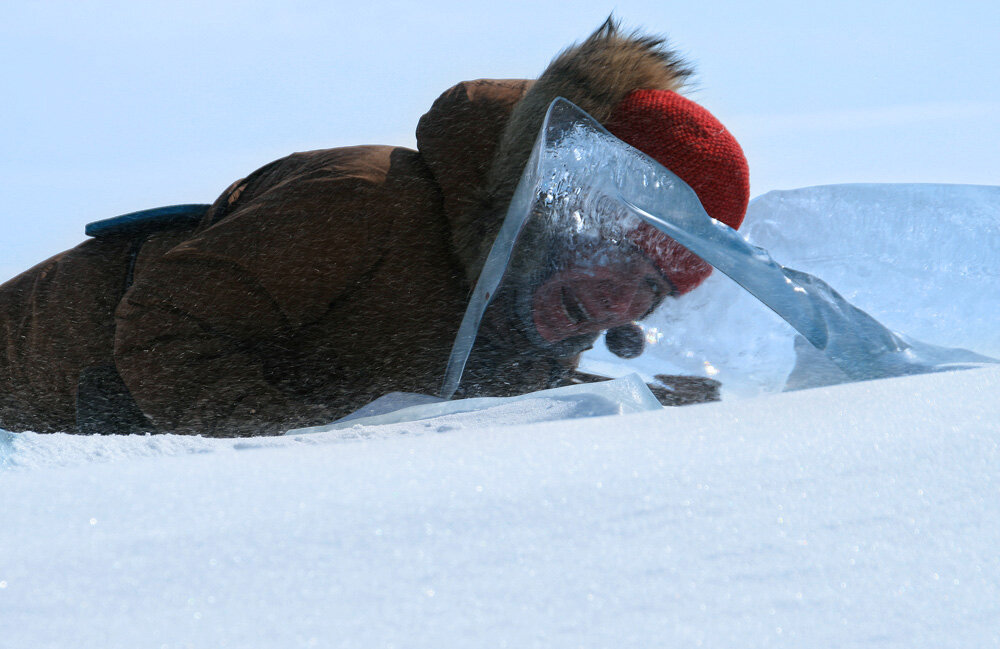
(586, 299)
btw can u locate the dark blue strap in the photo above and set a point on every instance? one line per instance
(146, 221)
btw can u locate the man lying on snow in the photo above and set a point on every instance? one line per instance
(329, 278)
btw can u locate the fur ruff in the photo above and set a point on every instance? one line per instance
(596, 75)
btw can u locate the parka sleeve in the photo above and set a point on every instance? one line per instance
(192, 332)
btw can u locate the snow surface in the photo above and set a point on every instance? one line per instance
(857, 515)
(860, 515)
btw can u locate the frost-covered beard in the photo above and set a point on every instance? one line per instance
(509, 322)
(509, 356)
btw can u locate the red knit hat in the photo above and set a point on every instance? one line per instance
(689, 141)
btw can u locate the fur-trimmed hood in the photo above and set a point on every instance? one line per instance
(479, 181)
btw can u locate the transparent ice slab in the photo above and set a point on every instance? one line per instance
(574, 153)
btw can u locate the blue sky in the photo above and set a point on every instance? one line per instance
(110, 107)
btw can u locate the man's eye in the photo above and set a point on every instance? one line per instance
(661, 287)
(660, 290)
(655, 287)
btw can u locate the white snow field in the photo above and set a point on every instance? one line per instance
(856, 515)
(860, 515)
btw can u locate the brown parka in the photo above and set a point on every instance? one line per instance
(316, 284)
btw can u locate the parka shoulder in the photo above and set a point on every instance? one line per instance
(305, 228)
